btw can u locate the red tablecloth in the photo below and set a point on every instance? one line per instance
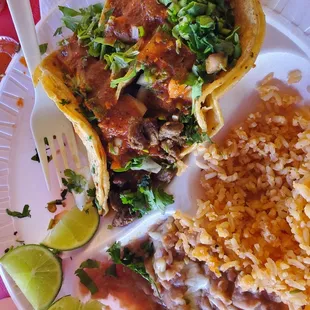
(6, 24)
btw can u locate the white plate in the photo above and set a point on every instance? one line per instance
(21, 181)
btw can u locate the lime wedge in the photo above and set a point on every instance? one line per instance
(74, 229)
(71, 303)
(36, 271)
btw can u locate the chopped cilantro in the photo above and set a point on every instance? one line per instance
(20, 215)
(63, 194)
(91, 192)
(84, 277)
(192, 131)
(146, 198)
(206, 27)
(140, 163)
(43, 48)
(58, 31)
(86, 280)
(148, 248)
(36, 156)
(111, 271)
(74, 182)
(130, 260)
(128, 76)
(141, 31)
(64, 101)
(90, 263)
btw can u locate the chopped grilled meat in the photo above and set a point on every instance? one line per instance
(170, 147)
(71, 55)
(160, 53)
(136, 139)
(165, 175)
(123, 216)
(124, 121)
(127, 180)
(150, 128)
(170, 130)
(147, 13)
(103, 96)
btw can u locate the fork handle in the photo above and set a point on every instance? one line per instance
(24, 24)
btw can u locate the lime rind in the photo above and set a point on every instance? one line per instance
(72, 303)
(36, 271)
(74, 230)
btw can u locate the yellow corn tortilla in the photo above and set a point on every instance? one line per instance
(52, 79)
(250, 18)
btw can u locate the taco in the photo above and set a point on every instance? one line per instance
(140, 82)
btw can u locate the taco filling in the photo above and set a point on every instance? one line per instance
(136, 69)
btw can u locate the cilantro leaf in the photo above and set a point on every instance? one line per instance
(57, 32)
(43, 48)
(111, 271)
(64, 101)
(140, 163)
(128, 76)
(90, 263)
(192, 131)
(148, 248)
(130, 260)
(86, 280)
(91, 192)
(74, 182)
(146, 198)
(20, 215)
(84, 277)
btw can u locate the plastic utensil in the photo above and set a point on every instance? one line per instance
(47, 122)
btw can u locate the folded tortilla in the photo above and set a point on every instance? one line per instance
(248, 15)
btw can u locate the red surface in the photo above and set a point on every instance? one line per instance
(6, 23)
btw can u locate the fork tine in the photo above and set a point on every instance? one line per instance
(55, 160)
(73, 147)
(62, 150)
(43, 159)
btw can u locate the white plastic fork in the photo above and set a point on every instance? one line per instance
(46, 120)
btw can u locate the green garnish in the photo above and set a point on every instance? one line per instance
(20, 215)
(146, 198)
(85, 24)
(192, 131)
(130, 260)
(43, 48)
(91, 192)
(111, 271)
(148, 248)
(140, 163)
(128, 76)
(57, 32)
(74, 182)
(90, 263)
(85, 278)
(36, 156)
(89, 115)
(64, 101)
(141, 31)
(206, 28)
